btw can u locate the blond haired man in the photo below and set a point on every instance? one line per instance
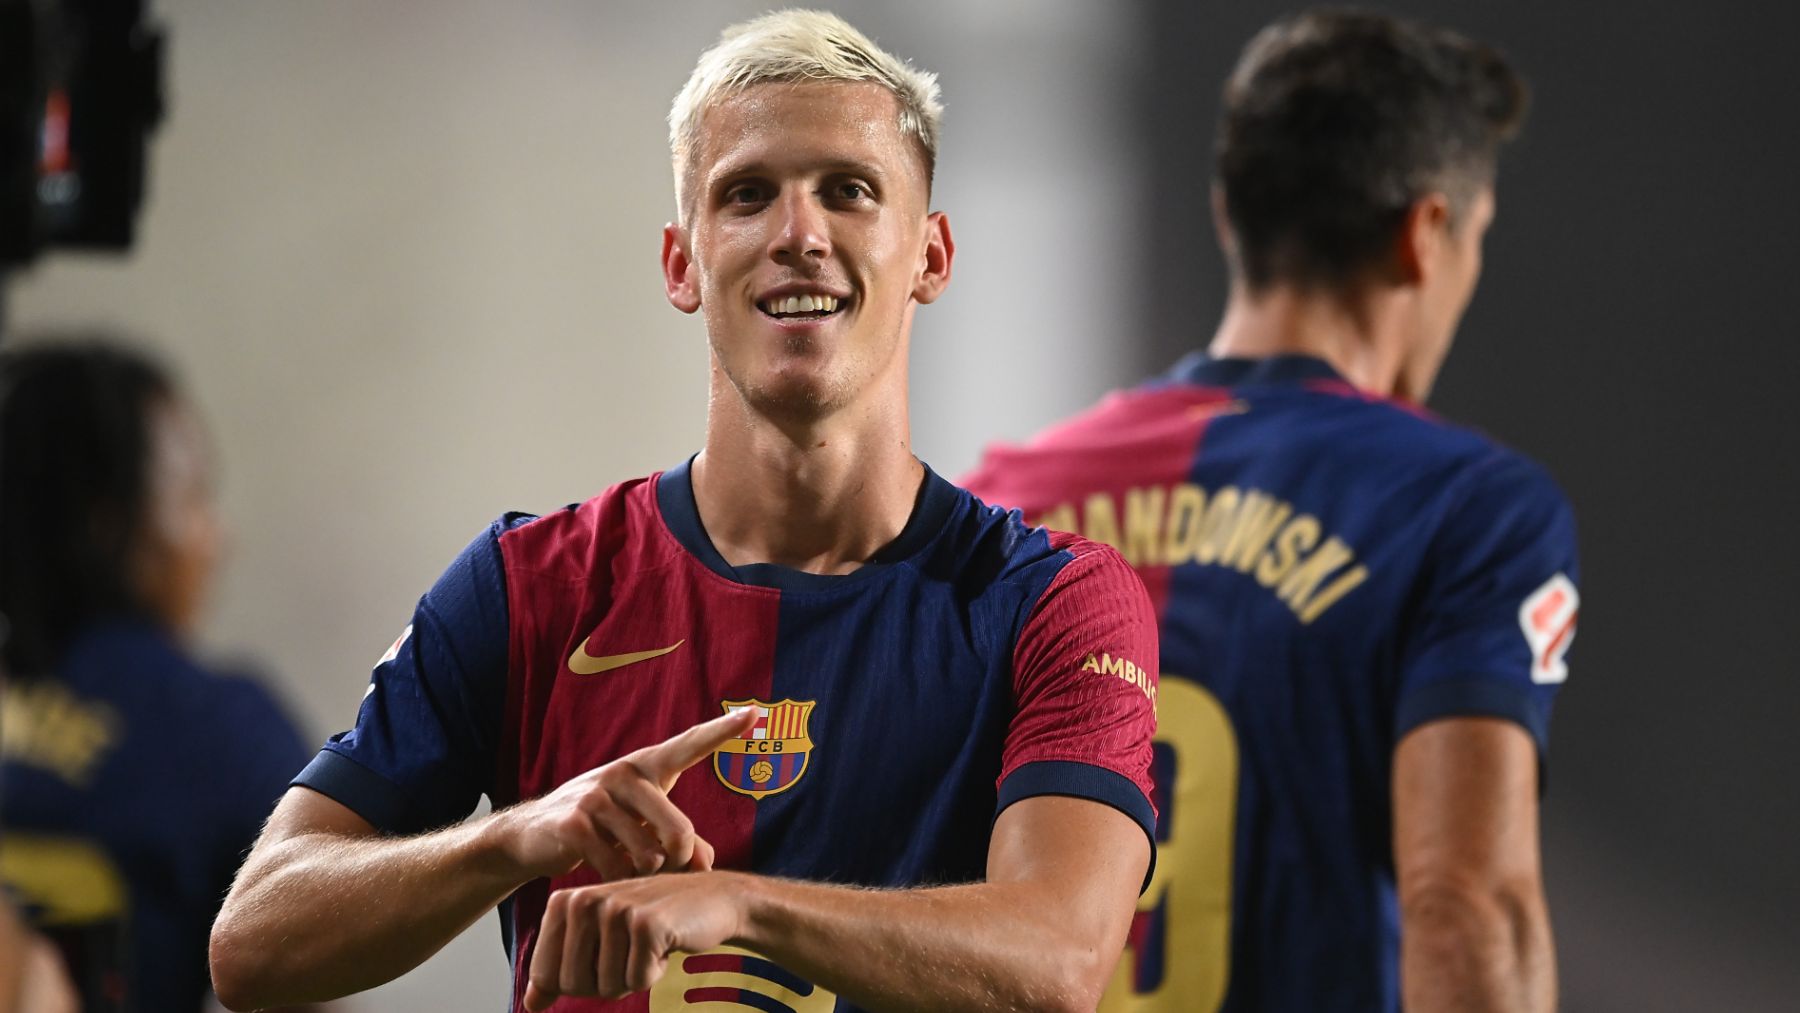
(878, 682)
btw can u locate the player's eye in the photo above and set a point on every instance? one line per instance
(746, 193)
(850, 191)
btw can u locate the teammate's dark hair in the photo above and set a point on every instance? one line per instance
(74, 463)
(1336, 121)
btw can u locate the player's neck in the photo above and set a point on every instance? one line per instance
(822, 496)
(1360, 337)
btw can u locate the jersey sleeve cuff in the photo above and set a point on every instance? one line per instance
(1475, 698)
(1082, 780)
(361, 790)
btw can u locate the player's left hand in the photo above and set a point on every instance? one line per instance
(613, 939)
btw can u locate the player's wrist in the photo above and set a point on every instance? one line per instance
(756, 908)
(501, 846)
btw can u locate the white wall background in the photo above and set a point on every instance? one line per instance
(405, 256)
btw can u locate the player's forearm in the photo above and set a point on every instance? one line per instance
(984, 946)
(1464, 949)
(321, 915)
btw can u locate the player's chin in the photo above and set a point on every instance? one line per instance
(796, 394)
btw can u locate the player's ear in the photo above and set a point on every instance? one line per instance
(940, 252)
(679, 279)
(1222, 224)
(1423, 233)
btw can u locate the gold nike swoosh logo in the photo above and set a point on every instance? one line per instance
(583, 663)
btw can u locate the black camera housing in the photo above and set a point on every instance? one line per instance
(80, 93)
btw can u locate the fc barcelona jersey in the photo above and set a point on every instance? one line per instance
(1330, 571)
(972, 663)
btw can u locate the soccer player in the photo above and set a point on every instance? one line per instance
(898, 741)
(1364, 610)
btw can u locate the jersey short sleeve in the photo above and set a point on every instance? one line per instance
(1084, 681)
(1497, 606)
(424, 745)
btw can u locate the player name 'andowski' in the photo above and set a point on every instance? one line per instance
(1248, 530)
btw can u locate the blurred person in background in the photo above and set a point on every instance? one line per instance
(134, 777)
(32, 977)
(1364, 609)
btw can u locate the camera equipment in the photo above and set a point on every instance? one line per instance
(80, 91)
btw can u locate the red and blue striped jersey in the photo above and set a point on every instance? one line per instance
(972, 663)
(1331, 570)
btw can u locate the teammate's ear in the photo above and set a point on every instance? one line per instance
(940, 252)
(1222, 225)
(679, 282)
(1423, 233)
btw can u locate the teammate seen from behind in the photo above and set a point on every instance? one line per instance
(1364, 610)
(735, 716)
(134, 777)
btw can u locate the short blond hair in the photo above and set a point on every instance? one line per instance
(801, 45)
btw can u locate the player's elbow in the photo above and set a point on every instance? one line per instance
(1083, 995)
(1075, 981)
(232, 980)
(239, 965)
(1470, 939)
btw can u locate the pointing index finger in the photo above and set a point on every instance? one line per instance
(667, 759)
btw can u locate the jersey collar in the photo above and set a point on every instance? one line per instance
(1203, 370)
(675, 498)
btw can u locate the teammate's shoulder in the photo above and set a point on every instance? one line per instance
(1120, 417)
(165, 676)
(1503, 475)
(143, 647)
(1405, 432)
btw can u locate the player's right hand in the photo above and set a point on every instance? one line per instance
(617, 818)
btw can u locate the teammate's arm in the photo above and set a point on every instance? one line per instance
(325, 906)
(1041, 933)
(1475, 931)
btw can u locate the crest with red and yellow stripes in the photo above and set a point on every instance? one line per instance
(773, 755)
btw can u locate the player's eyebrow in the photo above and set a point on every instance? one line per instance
(763, 169)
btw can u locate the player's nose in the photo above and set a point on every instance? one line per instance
(801, 227)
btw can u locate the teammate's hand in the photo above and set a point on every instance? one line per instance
(617, 818)
(615, 938)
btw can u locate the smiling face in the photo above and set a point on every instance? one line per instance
(806, 242)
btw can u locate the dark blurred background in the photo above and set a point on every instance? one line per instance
(407, 259)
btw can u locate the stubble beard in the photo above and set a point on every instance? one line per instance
(788, 399)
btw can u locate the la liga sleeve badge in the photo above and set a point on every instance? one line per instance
(1548, 619)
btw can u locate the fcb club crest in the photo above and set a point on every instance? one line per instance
(773, 755)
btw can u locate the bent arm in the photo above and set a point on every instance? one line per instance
(1042, 933)
(324, 906)
(1475, 930)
